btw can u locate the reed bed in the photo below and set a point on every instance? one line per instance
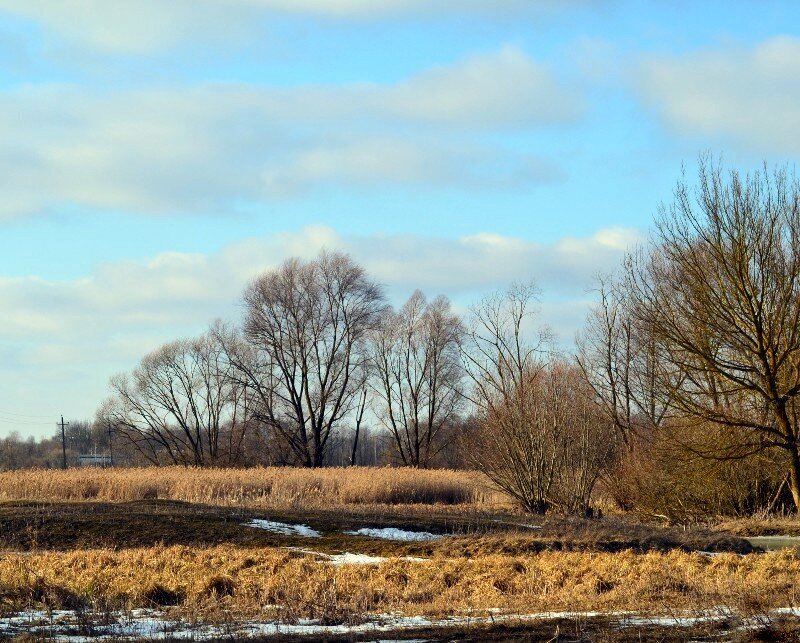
(292, 585)
(275, 487)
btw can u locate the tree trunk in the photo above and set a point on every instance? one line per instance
(794, 477)
(354, 450)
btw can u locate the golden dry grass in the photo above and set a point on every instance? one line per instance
(299, 585)
(276, 487)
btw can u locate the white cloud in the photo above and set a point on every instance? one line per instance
(748, 96)
(62, 340)
(137, 27)
(202, 148)
(507, 88)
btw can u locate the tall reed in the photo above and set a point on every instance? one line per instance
(280, 487)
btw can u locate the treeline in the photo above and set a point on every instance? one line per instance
(679, 400)
(93, 438)
(81, 437)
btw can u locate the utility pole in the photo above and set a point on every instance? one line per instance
(63, 425)
(110, 447)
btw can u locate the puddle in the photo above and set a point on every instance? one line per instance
(773, 543)
(283, 528)
(390, 533)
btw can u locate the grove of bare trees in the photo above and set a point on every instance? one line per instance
(682, 397)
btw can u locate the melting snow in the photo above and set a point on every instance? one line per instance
(283, 528)
(390, 533)
(62, 625)
(354, 559)
(347, 558)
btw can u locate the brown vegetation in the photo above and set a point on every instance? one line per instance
(540, 435)
(718, 293)
(280, 487)
(39, 525)
(301, 585)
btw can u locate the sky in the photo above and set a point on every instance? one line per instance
(156, 156)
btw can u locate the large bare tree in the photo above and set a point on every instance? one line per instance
(418, 376)
(307, 324)
(181, 405)
(719, 293)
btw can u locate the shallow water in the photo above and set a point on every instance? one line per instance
(773, 543)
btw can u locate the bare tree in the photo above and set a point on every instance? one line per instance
(719, 293)
(504, 367)
(307, 324)
(418, 376)
(621, 363)
(180, 404)
(361, 407)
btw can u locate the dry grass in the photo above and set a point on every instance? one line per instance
(266, 487)
(297, 585)
(103, 540)
(761, 526)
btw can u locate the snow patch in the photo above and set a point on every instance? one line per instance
(283, 528)
(390, 533)
(347, 558)
(61, 625)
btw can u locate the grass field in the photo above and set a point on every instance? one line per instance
(263, 487)
(105, 543)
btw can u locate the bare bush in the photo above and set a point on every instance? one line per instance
(588, 438)
(503, 366)
(541, 436)
(664, 477)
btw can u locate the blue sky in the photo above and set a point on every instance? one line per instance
(154, 156)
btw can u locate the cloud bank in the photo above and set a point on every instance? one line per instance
(746, 96)
(203, 149)
(146, 27)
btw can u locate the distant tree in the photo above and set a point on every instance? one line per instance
(718, 292)
(418, 378)
(180, 403)
(621, 363)
(306, 325)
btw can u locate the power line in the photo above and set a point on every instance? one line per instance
(23, 415)
(18, 423)
(13, 420)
